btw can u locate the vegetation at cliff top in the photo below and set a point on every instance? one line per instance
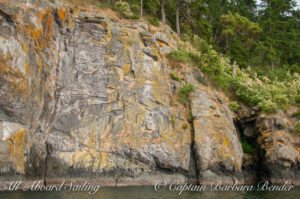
(254, 89)
(250, 49)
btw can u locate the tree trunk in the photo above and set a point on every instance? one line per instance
(162, 9)
(177, 18)
(141, 8)
(234, 70)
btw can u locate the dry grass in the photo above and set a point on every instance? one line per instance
(93, 6)
(81, 3)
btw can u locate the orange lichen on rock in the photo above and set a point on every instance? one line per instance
(161, 43)
(47, 31)
(24, 46)
(16, 145)
(42, 37)
(40, 63)
(33, 32)
(61, 14)
(16, 80)
(26, 68)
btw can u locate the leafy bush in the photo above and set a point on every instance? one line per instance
(125, 10)
(267, 106)
(248, 148)
(135, 17)
(135, 8)
(261, 90)
(184, 93)
(234, 106)
(175, 77)
(153, 21)
(179, 56)
(297, 127)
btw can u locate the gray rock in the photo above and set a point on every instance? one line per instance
(161, 37)
(164, 50)
(216, 142)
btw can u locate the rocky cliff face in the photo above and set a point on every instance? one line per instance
(86, 95)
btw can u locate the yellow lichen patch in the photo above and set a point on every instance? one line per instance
(103, 161)
(40, 63)
(26, 68)
(3, 63)
(82, 160)
(92, 136)
(126, 68)
(169, 140)
(97, 161)
(24, 46)
(16, 145)
(225, 141)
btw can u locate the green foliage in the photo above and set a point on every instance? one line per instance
(265, 44)
(279, 21)
(297, 127)
(135, 7)
(153, 21)
(296, 114)
(175, 77)
(237, 36)
(190, 116)
(267, 39)
(125, 10)
(185, 126)
(247, 148)
(179, 56)
(234, 106)
(235, 25)
(135, 17)
(184, 93)
(197, 24)
(254, 89)
(267, 106)
(152, 7)
(297, 100)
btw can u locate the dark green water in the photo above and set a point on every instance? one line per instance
(150, 193)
